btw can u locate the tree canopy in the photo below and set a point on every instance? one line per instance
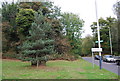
(117, 26)
(72, 29)
(24, 19)
(87, 44)
(105, 25)
(38, 44)
(30, 28)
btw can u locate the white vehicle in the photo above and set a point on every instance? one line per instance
(108, 58)
(117, 60)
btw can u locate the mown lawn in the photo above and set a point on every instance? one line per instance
(0, 69)
(58, 69)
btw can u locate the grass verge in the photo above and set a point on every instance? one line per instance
(59, 69)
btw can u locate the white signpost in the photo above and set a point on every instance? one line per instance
(95, 50)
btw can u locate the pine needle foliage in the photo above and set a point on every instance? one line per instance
(39, 43)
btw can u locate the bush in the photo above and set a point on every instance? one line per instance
(9, 56)
(69, 57)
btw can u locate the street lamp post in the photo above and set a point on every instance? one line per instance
(98, 31)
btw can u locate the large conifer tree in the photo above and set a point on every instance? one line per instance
(39, 43)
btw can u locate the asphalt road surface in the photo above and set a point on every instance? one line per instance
(106, 65)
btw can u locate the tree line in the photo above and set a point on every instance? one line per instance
(109, 27)
(34, 30)
(39, 31)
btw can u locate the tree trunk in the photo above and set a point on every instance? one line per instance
(40, 63)
(33, 63)
(37, 63)
(43, 63)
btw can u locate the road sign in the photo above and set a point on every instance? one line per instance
(97, 41)
(96, 49)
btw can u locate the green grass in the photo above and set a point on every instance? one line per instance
(79, 69)
(0, 69)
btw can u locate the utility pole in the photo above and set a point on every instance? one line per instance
(98, 31)
(110, 41)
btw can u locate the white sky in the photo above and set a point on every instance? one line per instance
(86, 10)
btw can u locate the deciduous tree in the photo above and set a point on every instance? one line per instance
(72, 29)
(117, 12)
(87, 44)
(104, 24)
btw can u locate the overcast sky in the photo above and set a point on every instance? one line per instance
(86, 10)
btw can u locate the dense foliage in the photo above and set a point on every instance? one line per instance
(107, 29)
(38, 44)
(117, 27)
(23, 20)
(72, 29)
(87, 44)
(29, 29)
(9, 30)
(20, 28)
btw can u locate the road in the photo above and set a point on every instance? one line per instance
(108, 66)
